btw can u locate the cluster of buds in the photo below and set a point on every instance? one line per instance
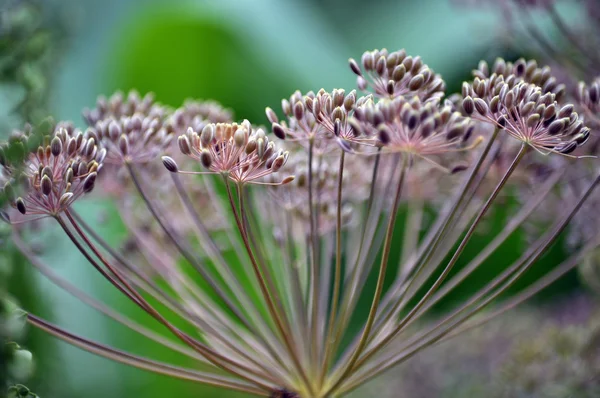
(61, 170)
(396, 74)
(526, 113)
(196, 114)
(133, 130)
(589, 99)
(521, 71)
(414, 127)
(239, 151)
(326, 115)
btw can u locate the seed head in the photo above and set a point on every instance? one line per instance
(396, 74)
(241, 152)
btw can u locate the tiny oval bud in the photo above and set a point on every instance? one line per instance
(468, 105)
(184, 145)
(205, 158)
(271, 115)
(124, 145)
(56, 146)
(533, 120)
(354, 66)
(65, 199)
(481, 106)
(299, 110)
(416, 82)
(279, 131)
(207, 135)
(170, 164)
(20, 204)
(89, 182)
(46, 185)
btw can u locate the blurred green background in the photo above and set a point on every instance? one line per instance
(247, 55)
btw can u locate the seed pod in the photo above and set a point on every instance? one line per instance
(556, 127)
(20, 204)
(495, 104)
(114, 130)
(468, 105)
(205, 158)
(399, 72)
(170, 164)
(240, 137)
(566, 111)
(271, 115)
(184, 145)
(566, 148)
(481, 106)
(385, 134)
(278, 131)
(354, 66)
(65, 198)
(56, 146)
(124, 145)
(207, 135)
(533, 120)
(416, 82)
(299, 110)
(46, 185)
(89, 182)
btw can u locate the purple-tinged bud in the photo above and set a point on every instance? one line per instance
(184, 145)
(354, 66)
(481, 106)
(89, 182)
(20, 204)
(46, 185)
(56, 146)
(385, 134)
(416, 82)
(114, 130)
(170, 164)
(124, 145)
(556, 126)
(65, 199)
(468, 105)
(271, 115)
(566, 148)
(205, 158)
(279, 131)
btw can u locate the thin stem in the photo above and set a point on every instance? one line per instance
(143, 363)
(211, 355)
(380, 280)
(314, 277)
(187, 253)
(453, 260)
(265, 291)
(263, 334)
(338, 274)
(530, 259)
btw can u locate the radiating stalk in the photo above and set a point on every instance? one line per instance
(379, 287)
(146, 364)
(452, 261)
(287, 338)
(337, 275)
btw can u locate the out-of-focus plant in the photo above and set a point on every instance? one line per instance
(545, 351)
(30, 40)
(260, 244)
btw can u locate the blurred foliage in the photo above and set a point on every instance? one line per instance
(552, 351)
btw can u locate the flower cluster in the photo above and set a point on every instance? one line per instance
(239, 151)
(60, 171)
(397, 74)
(132, 129)
(526, 113)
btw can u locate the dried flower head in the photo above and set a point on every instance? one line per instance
(526, 113)
(61, 170)
(522, 70)
(321, 118)
(239, 151)
(132, 129)
(414, 127)
(395, 74)
(197, 114)
(588, 98)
